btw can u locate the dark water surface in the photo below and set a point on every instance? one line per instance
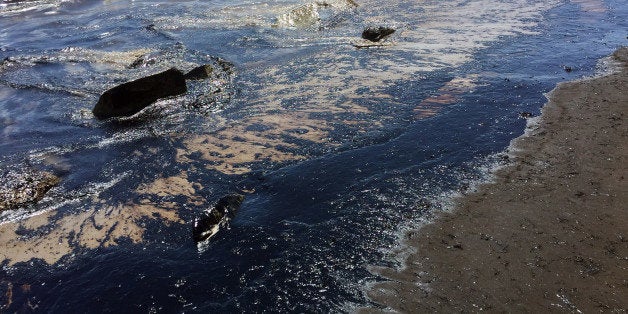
(338, 149)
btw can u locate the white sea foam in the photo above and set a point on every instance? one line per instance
(606, 66)
(18, 7)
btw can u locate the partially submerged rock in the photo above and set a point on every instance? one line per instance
(199, 73)
(19, 188)
(303, 16)
(311, 14)
(131, 97)
(209, 224)
(376, 34)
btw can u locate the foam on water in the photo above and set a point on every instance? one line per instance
(8, 8)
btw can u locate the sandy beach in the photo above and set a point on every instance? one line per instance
(549, 233)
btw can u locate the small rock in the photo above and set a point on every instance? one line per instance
(209, 224)
(376, 34)
(199, 73)
(131, 97)
(567, 68)
(19, 188)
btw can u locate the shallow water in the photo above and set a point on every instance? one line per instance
(337, 149)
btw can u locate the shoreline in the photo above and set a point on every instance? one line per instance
(549, 233)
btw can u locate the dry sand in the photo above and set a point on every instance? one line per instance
(550, 233)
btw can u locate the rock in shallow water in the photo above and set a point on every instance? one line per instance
(377, 33)
(131, 97)
(209, 224)
(318, 12)
(199, 73)
(19, 188)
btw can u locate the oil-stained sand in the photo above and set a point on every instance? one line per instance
(550, 234)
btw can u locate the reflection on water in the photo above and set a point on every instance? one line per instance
(596, 6)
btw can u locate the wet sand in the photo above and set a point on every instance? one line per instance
(549, 233)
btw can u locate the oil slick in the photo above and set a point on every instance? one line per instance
(296, 108)
(49, 238)
(51, 235)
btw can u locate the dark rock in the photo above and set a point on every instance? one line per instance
(209, 223)
(131, 97)
(567, 69)
(377, 33)
(199, 73)
(19, 188)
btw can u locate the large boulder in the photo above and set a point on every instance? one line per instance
(22, 187)
(209, 223)
(131, 97)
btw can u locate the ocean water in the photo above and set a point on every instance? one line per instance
(337, 149)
